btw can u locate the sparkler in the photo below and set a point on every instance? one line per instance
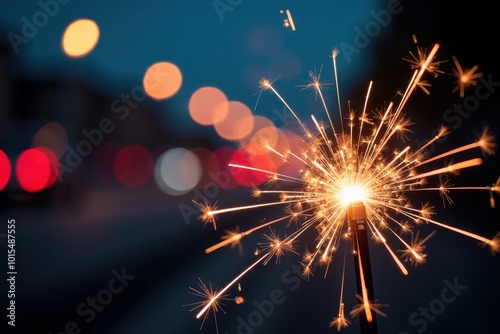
(345, 169)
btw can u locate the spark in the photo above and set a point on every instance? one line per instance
(372, 306)
(423, 60)
(211, 299)
(486, 142)
(493, 244)
(206, 210)
(232, 238)
(366, 163)
(415, 254)
(495, 187)
(341, 321)
(275, 246)
(465, 78)
(418, 60)
(424, 85)
(238, 300)
(288, 22)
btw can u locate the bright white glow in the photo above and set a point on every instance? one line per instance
(352, 193)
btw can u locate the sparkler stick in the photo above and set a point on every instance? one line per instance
(358, 225)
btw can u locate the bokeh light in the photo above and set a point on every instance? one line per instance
(263, 134)
(238, 122)
(262, 162)
(297, 144)
(177, 171)
(80, 37)
(270, 137)
(5, 170)
(133, 166)
(247, 177)
(208, 106)
(259, 122)
(55, 166)
(162, 80)
(52, 136)
(265, 137)
(34, 170)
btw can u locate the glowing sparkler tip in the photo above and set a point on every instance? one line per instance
(275, 246)
(307, 272)
(465, 77)
(256, 192)
(212, 300)
(494, 244)
(335, 53)
(207, 215)
(421, 58)
(265, 83)
(351, 194)
(414, 253)
(496, 186)
(487, 142)
(443, 131)
(366, 307)
(340, 321)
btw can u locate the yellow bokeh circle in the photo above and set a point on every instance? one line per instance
(80, 37)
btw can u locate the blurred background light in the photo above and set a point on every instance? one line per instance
(238, 122)
(296, 144)
(177, 171)
(249, 177)
(162, 80)
(267, 139)
(259, 122)
(5, 170)
(208, 106)
(133, 165)
(80, 38)
(34, 169)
